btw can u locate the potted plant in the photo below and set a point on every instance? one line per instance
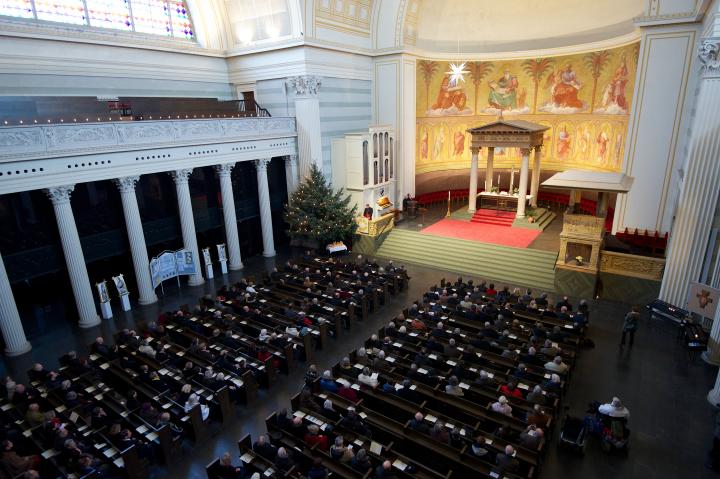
(579, 260)
(495, 189)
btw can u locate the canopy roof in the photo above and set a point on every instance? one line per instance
(590, 180)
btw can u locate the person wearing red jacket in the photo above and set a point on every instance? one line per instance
(313, 437)
(511, 389)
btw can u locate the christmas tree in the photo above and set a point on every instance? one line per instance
(316, 212)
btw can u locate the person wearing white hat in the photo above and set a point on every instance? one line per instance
(502, 406)
(615, 408)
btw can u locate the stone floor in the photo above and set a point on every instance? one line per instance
(664, 389)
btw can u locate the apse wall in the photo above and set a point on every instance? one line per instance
(585, 99)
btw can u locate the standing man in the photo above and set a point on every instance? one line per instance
(630, 325)
(368, 212)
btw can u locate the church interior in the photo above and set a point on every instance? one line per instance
(359, 239)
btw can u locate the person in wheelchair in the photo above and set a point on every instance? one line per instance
(614, 417)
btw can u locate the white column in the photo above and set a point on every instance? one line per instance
(713, 396)
(10, 324)
(712, 354)
(522, 188)
(699, 194)
(136, 238)
(187, 221)
(307, 117)
(535, 183)
(265, 211)
(74, 257)
(228, 202)
(472, 198)
(489, 169)
(291, 174)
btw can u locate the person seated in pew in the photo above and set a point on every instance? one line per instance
(327, 383)
(146, 349)
(453, 387)
(34, 415)
(511, 389)
(548, 350)
(563, 302)
(531, 437)
(71, 452)
(316, 471)
(13, 463)
(557, 365)
(144, 449)
(307, 400)
(263, 447)
(418, 424)
(563, 314)
(156, 382)
(506, 461)
(354, 422)
(148, 413)
(502, 406)
(297, 428)
(440, 433)
(340, 452)
(614, 409)
(477, 448)
(283, 460)
(38, 373)
(164, 419)
(282, 420)
(579, 319)
(226, 469)
(483, 379)
(329, 412)
(61, 435)
(384, 471)
(194, 400)
(538, 417)
(552, 385)
(313, 437)
(536, 396)
(361, 461)
(345, 364)
(368, 378)
(451, 350)
(549, 312)
(99, 418)
(311, 374)
(348, 393)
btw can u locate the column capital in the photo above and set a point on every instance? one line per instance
(181, 176)
(709, 55)
(60, 194)
(224, 170)
(304, 84)
(291, 160)
(261, 164)
(126, 184)
(525, 151)
(475, 150)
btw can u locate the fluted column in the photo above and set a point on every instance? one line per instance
(74, 257)
(187, 221)
(12, 329)
(713, 396)
(307, 118)
(712, 354)
(535, 183)
(472, 197)
(291, 174)
(228, 201)
(265, 211)
(489, 169)
(522, 188)
(136, 238)
(699, 194)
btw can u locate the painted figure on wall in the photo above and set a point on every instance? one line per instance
(618, 149)
(424, 145)
(563, 143)
(585, 137)
(439, 143)
(613, 98)
(451, 99)
(459, 142)
(565, 88)
(602, 147)
(503, 92)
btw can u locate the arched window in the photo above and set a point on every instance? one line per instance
(386, 143)
(387, 170)
(375, 146)
(375, 172)
(392, 156)
(366, 164)
(168, 18)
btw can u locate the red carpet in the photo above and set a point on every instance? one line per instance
(493, 217)
(484, 233)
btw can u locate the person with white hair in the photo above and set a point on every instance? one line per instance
(327, 383)
(283, 459)
(264, 336)
(614, 409)
(506, 461)
(502, 406)
(368, 378)
(194, 400)
(557, 365)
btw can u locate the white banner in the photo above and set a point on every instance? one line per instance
(206, 256)
(222, 254)
(120, 285)
(170, 264)
(102, 291)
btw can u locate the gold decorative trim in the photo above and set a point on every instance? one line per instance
(632, 265)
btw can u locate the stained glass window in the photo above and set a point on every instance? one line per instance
(65, 11)
(109, 14)
(151, 16)
(158, 17)
(17, 8)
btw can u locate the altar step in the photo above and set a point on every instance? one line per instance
(502, 264)
(543, 218)
(493, 217)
